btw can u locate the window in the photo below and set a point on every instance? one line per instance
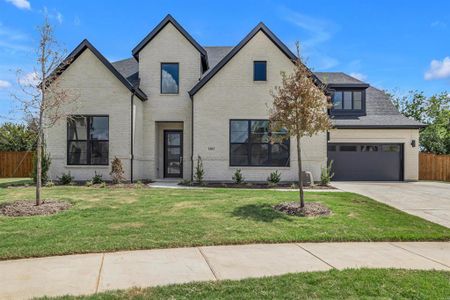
(250, 144)
(259, 71)
(347, 101)
(88, 140)
(347, 148)
(369, 148)
(169, 78)
(391, 148)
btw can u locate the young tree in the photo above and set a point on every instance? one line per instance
(300, 108)
(433, 111)
(42, 99)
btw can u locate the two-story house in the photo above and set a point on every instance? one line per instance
(175, 100)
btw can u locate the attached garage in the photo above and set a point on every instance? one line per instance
(361, 161)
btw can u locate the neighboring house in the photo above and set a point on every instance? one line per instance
(175, 100)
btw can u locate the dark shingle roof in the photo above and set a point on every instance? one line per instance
(216, 54)
(380, 112)
(129, 69)
(336, 78)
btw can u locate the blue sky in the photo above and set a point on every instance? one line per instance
(394, 45)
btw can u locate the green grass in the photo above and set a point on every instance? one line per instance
(5, 182)
(353, 284)
(109, 219)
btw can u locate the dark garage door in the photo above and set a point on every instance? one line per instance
(366, 161)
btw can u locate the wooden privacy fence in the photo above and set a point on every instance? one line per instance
(16, 164)
(434, 167)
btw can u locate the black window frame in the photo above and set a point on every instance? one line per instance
(88, 141)
(161, 78)
(254, 70)
(349, 112)
(249, 144)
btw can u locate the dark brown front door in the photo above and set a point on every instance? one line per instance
(173, 153)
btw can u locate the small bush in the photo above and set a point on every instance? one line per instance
(117, 172)
(294, 186)
(89, 183)
(274, 177)
(199, 171)
(102, 185)
(138, 184)
(238, 178)
(326, 175)
(66, 179)
(45, 165)
(50, 183)
(185, 182)
(97, 179)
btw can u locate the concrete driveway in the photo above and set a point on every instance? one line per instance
(425, 199)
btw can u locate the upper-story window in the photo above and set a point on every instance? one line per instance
(259, 70)
(170, 78)
(348, 102)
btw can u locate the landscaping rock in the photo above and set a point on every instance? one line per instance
(22, 208)
(311, 209)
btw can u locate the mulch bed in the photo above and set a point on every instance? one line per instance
(258, 186)
(311, 209)
(23, 208)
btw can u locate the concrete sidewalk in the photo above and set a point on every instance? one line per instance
(92, 273)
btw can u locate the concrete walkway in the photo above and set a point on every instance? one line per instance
(426, 199)
(92, 273)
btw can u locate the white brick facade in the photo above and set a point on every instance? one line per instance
(230, 94)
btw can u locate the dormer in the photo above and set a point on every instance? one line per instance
(348, 99)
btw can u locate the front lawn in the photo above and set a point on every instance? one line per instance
(109, 219)
(5, 182)
(347, 284)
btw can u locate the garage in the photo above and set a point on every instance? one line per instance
(371, 162)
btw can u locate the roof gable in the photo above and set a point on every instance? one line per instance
(169, 19)
(85, 44)
(260, 27)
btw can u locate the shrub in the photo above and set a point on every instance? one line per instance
(97, 179)
(139, 184)
(117, 172)
(50, 183)
(185, 182)
(274, 177)
(199, 171)
(89, 183)
(238, 178)
(102, 185)
(326, 175)
(66, 179)
(46, 161)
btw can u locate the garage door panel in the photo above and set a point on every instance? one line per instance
(366, 161)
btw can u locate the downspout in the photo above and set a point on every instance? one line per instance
(192, 138)
(132, 137)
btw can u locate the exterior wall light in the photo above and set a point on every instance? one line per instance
(413, 143)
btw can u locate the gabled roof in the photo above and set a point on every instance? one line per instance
(85, 44)
(260, 27)
(169, 19)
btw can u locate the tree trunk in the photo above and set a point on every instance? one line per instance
(38, 168)
(300, 177)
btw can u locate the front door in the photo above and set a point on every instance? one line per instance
(173, 153)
